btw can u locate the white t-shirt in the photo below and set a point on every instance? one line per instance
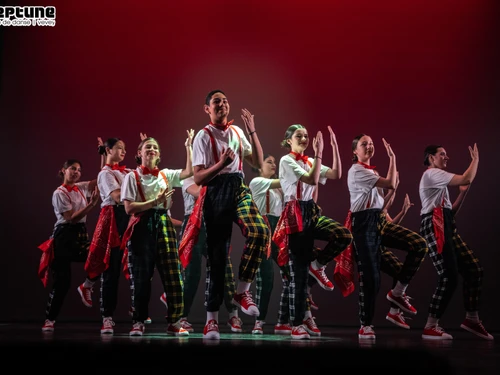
(363, 193)
(189, 199)
(433, 188)
(151, 186)
(203, 153)
(109, 180)
(64, 201)
(290, 173)
(259, 186)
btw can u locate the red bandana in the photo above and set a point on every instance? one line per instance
(116, 167)
(146, 170)
(298, 157)
(71, 188)
(222, 127)
(366, 165)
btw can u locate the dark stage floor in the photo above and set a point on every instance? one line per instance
(338, 348)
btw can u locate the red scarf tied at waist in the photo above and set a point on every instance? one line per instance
(192, 229)
(343, 274)
(438, 224)
(45, 260)
(105, 238)
(289, 222)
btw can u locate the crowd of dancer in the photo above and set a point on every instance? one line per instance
(280, 220)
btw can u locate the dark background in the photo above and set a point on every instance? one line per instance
(413, 72)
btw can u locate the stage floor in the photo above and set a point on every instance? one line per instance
(338, 347)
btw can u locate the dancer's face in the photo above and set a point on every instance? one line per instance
(218, 108)
(299, 141)
(365, 149)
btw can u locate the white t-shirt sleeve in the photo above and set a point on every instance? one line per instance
(202, 150)
(61, 202)
(365, 179)
(129, 188)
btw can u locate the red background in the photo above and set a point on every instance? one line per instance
(419, 73)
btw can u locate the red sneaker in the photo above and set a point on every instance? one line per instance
(321, 278)
(476, 328)
(86, 294)
(436, 333)
(175, 329)
(186, 325)
(282, 329)
(245, 302)
(311, 327)
(235, 324)
(211, 330)
(366, 332)
(402, 302)
(398, 319)
(300, 333)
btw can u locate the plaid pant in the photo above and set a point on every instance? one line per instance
(68, 239)
(265, 282)
(371, 230)
(110, 278)
(192, 273)
(154, 243)
(456, 259)
(302, 252)
(228, 200)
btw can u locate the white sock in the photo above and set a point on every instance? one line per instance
(473, 316)
(243, 286)
(394, 310)
(399, 289)
(233, 313)
(431, 322)
(307, 314)
(212, 315)
(88, 283)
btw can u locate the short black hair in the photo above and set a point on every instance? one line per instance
(212, 93)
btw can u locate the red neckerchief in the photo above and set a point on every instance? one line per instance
(117, 167)
(366, 165)
(222, 127)
(70, 188)
(298, 157)
(146, 170)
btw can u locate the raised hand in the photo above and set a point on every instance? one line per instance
(333, 139)
(189, 139)
(388, 148)
(99, 142)
(407, 204)
(227, 156)
(164, 195)
(143, 136)
(397, 181)
(474, 152)
(248, 120)
(318, 144)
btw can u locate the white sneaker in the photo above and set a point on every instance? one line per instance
(137, 329)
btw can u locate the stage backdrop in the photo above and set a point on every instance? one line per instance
(415, 73)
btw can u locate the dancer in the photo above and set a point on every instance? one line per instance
(72, 201)
(371, 229)
(219, 150)
(105, 255)
(450, 255)
(150, 239)
(301, 222)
